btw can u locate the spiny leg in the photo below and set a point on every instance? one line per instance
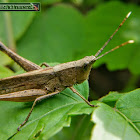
(37, 99)
(44, 64)
(24, 63)
(75, 91)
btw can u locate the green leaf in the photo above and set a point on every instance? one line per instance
(80, 129)
(4, 59)
(111, 98)
(48, 117)
(61, 26)
(123, 122)
(129, 106)
(22, 22)
(18, 23)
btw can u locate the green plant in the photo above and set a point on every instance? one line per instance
(61, 33)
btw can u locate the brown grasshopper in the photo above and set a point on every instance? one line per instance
(39, 83)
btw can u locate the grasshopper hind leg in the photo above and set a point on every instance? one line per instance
(24, 63)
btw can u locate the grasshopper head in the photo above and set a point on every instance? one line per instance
(83, 67)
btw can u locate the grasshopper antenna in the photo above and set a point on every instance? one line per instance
(102, 48)
(128, 42)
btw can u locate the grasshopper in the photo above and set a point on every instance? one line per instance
(38, 83)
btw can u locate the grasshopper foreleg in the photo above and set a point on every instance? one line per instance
(36, 100)
(44, 64)
(75, 91)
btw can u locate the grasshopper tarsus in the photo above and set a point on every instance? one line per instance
(21, 125)
(18, 129)
(92, 105)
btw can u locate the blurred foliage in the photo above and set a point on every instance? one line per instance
(67, 30)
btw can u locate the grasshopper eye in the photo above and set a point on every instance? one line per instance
(85, 66)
